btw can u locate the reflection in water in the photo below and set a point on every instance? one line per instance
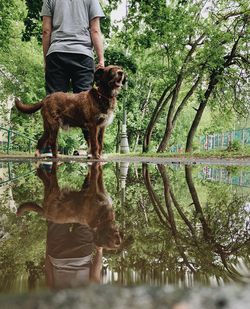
(177, 227)
(211, 242)
(79, 223)
(69, 260)
(224, 175)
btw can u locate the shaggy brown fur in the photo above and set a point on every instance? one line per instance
(91, 206)
(92, 110)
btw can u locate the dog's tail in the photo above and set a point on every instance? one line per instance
(29, 206)
(28, 108)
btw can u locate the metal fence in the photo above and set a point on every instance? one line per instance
(8, 174)
(12, 141)
(218, 140)
(242, 178)
(223, 140)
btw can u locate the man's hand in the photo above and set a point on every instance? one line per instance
(100, 65)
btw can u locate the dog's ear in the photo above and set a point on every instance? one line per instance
(98, 76)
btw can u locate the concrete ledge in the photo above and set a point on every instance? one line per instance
(243, 161)
(109, 297)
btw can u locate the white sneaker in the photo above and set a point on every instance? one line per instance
(46, 152)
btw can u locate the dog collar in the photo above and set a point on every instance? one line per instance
(102, 95)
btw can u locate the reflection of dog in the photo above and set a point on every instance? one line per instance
(91, 206)
(92, 110)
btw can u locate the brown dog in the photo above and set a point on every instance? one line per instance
(92, 110)
(91, 205)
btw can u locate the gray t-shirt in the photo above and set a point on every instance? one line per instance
(70, 24)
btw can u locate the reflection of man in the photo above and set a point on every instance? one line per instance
(69, 258)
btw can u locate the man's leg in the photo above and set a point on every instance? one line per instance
(57, 78)
(82, 68)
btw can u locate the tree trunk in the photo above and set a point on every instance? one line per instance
(169, 125)
(212, 83)
(160, 211)
(143, 110)
(166, 137)
(174, 94)
(194, 126)
(156, 113)
(171, 216)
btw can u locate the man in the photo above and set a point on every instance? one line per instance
(71, 29)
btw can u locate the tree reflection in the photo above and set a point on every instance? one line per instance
(210, 240)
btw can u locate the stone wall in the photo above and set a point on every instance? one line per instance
(110, 297)
(5, 114)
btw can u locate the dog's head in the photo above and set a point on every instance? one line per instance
(107, 234)
(108, 237)
(111, 76)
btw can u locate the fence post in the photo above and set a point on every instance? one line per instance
(9, 170)
(8, 144)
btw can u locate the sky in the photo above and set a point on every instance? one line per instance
(118, 14)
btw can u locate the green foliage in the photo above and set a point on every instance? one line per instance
(171, 32)
(117, 57)
(32, 22)
(11, 12)
(235, 145)
(26, 235)
(153, 46)
(70, 140)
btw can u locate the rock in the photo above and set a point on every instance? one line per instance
(110, 297)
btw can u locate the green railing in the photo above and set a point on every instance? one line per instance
(222, 175)
(218, 140)
(10, 176)
(223, 140)
(12, 141)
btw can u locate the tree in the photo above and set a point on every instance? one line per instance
(191, 40)
(232, 63)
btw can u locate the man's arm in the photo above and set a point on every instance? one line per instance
(46, 35)
(96, 36)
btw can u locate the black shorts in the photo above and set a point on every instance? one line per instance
(66, 70)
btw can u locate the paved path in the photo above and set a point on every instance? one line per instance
(245, 161)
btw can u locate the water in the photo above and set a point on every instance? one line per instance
(172, 224)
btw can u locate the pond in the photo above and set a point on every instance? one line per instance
(69, 224)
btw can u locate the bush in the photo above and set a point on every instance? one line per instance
(234, 146)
